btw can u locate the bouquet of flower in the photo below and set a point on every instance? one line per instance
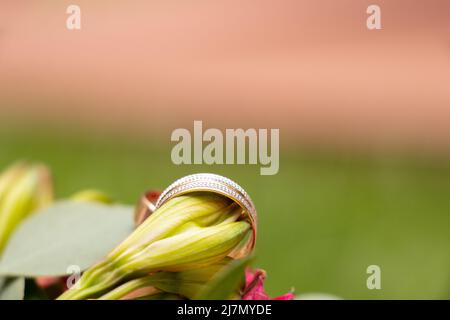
(192, 241)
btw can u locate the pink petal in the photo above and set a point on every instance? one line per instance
(286, 296)
(254, 287)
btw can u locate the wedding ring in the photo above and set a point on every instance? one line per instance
(145, 206)
(209, 182)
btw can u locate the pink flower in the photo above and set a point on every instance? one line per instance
(254, 287)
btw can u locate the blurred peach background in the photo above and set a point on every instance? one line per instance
(311, 68)
(374, 104)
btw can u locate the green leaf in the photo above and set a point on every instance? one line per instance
(226, 283)
(63, 235)
(12, 288)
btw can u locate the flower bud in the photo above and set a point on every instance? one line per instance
(186, 283)
(24, 189)
(187, 232)
(91, 195)
(9, 177)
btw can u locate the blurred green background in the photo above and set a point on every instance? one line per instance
(323, 219)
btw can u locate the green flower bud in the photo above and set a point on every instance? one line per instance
(9, 177)
(23, 189)
(91, 195)
(185, 283)
(187, 232)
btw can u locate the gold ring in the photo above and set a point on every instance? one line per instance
(145, 206)
(218, 184)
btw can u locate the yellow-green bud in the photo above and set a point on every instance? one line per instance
(9, 177)
(24, 189)
(91, 195)
(186, 283)
(187, 232)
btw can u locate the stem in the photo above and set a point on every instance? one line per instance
(127, 288)
(95, 281)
